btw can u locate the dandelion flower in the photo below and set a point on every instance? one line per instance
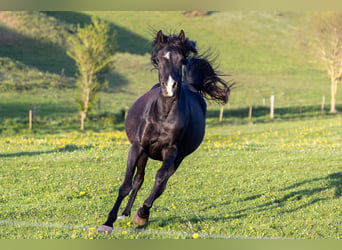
(195, 236)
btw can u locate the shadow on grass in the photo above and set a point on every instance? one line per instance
(43, 55)
(66, 148)
(193, 219)
(19, 110)
(330, 182)
(51, 57)
(334, 182)
(19, 154)
(262, 115)
(49, 125)
(127, 41)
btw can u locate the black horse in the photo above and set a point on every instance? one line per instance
(168, 122)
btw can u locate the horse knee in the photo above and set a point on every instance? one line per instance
(137, 185)
(125, 189)
(161, 176)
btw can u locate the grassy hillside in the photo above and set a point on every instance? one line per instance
(258, 49)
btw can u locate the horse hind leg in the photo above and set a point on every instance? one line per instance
(137, 183)
(164, 173)
(133, 156)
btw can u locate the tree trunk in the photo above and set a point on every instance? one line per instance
(85, 102)
(333, 95)
(83, 117)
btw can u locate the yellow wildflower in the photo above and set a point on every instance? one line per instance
(195, 236)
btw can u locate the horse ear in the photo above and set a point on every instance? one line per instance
(181, 36)
(160, 37)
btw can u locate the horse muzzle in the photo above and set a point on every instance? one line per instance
(169, 88)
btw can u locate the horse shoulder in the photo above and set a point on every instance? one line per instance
(136, 114)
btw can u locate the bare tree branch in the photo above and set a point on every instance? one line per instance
(327, 41)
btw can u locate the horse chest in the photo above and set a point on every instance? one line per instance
(161, 135)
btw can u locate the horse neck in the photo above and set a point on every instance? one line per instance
(168, 104)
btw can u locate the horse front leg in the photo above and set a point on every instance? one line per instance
(134, 153)
(138, 181)
(169, 166)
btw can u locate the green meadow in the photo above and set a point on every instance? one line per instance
(251, 177)
(250, 181)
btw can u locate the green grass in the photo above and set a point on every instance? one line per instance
(279, 180)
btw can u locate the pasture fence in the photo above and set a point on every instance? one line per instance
(272, 109)
(252, 113)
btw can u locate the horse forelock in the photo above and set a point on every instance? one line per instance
(187, 47)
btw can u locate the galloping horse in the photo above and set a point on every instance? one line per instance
(168, 122)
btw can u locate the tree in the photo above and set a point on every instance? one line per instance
(327, 41)
(93, 49)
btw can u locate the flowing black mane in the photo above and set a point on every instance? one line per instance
(200, 73)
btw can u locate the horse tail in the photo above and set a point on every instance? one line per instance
(200, 73)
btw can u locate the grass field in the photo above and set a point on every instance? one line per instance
(262, 181)
(257, 178)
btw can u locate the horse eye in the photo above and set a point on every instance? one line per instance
(155, 61)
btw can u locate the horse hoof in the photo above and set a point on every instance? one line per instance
(105, 229)
(140, 221)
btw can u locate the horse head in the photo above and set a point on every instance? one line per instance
(169, 54)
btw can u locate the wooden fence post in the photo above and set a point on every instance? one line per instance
(30, 119)
(272, 107)
(250, 112)
(221, 113)
(322, 105)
